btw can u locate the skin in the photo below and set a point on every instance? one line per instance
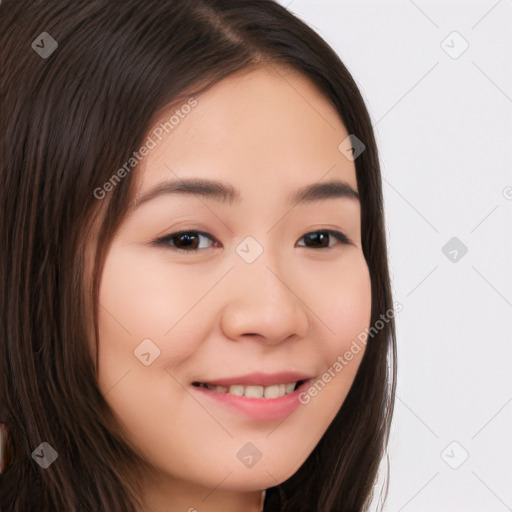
(298, 306)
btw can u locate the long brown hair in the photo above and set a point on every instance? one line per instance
(73, 113)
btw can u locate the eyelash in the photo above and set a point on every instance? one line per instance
(164, 241)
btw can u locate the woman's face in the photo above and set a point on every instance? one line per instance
(259, 297)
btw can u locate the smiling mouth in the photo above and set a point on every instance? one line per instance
(254, 391)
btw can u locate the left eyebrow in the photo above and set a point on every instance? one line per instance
(226, 193)
(327, 190)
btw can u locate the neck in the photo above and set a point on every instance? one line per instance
(188, 497)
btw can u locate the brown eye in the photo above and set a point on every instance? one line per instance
(190, 241)
(185, 241)
(321, 239)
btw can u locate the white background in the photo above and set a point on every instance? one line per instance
(444, 130)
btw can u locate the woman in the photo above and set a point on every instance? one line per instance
(197, 311)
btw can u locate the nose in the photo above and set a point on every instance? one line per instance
(262, 302)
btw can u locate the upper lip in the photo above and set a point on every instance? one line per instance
(259, 379)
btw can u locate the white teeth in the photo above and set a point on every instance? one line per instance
(236, 390)
(290, 387)
(253, 392)
(274, 391)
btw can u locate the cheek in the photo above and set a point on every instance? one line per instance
(343, 304)
(138, 293)
(345, 310)
(138, 306)
(141, 305)
(140, 299)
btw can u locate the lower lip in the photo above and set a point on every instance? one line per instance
(259, 409)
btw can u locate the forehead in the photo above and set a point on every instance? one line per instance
(266, 129)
